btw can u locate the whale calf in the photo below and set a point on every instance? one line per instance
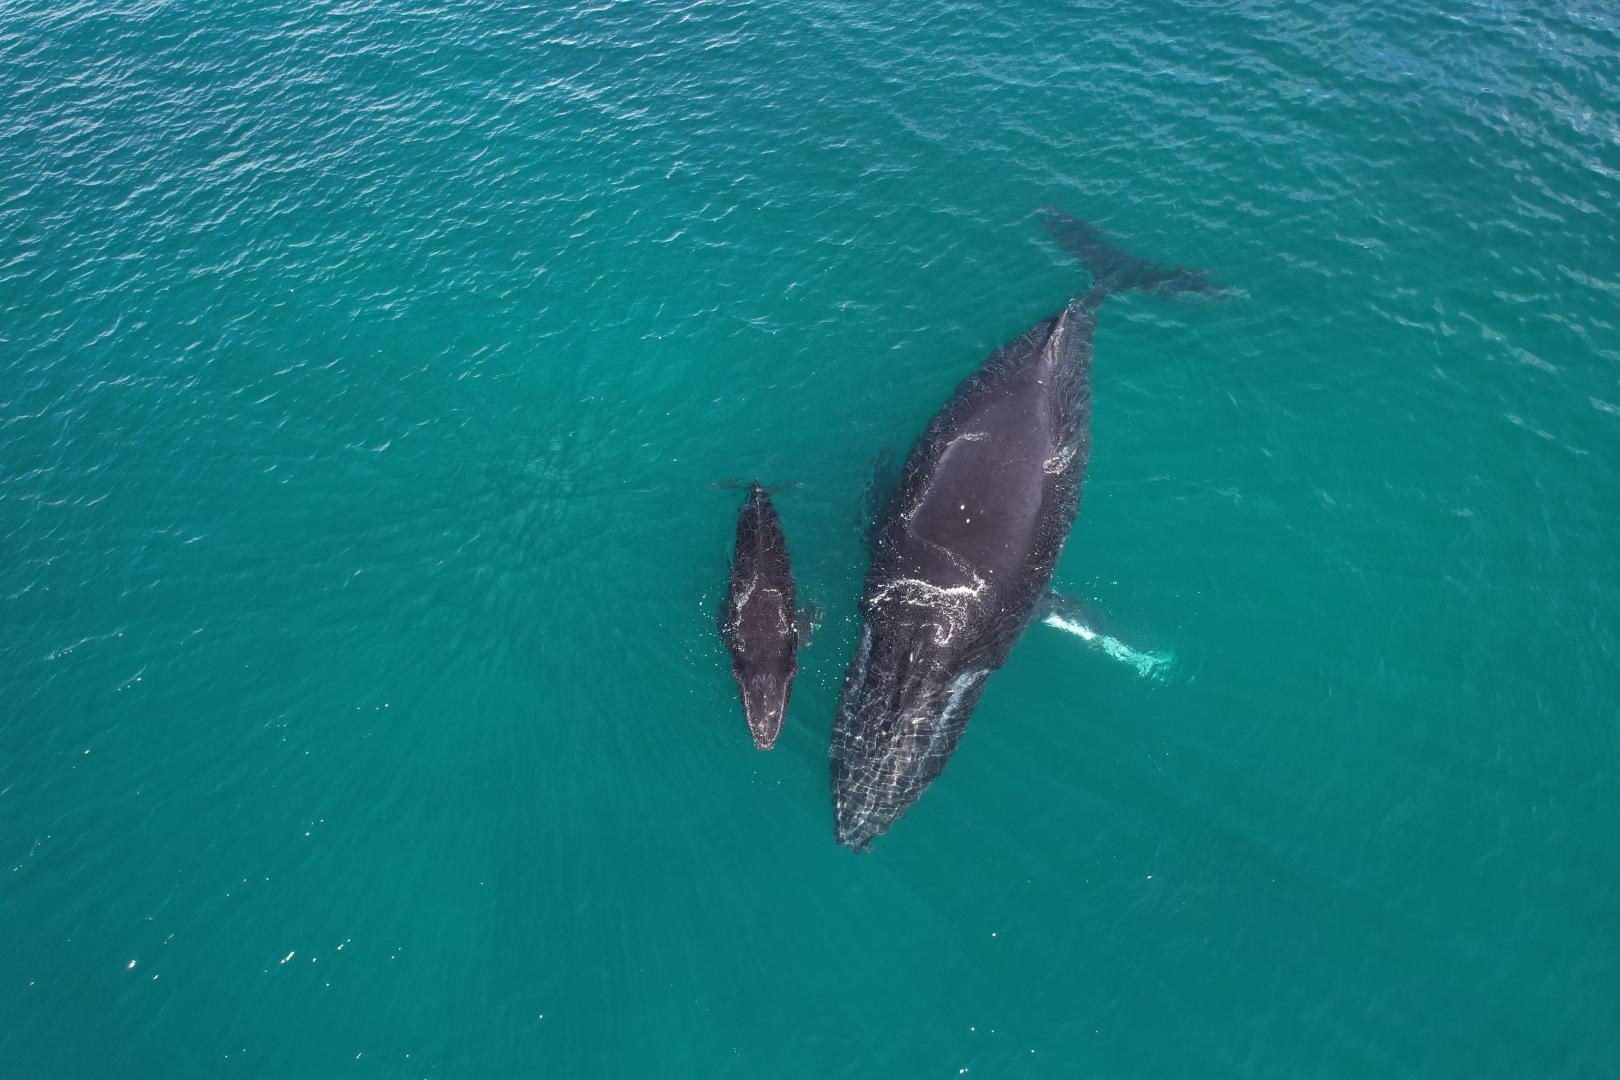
(758, 622)
(966, 547)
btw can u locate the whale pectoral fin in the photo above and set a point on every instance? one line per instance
(1055, 607)
(806, 620)
(879, 494)
(1082, 620)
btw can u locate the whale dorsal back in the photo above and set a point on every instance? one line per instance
(983, 500)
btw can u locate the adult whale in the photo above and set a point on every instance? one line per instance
(963, 555)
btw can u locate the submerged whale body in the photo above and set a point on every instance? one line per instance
(967, 546)
(758, 622)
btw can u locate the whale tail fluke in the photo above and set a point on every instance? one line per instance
(1114, 269)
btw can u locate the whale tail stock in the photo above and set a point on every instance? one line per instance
(1113, 269)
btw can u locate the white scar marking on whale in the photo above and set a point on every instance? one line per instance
(950, 602)
(1149, 665)
(959, 689)
(745, 593)
(909, 514)
(1059, 461)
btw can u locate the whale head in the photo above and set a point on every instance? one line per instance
(899, 720)
(765, 700)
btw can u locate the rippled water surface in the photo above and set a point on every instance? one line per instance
(363, 370)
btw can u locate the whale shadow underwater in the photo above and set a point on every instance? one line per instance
(963, 553)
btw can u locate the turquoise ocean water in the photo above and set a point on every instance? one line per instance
(363, 370)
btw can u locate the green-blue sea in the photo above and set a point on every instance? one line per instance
(365, 370)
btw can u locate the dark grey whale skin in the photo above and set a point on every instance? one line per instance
(967, 547)
(758, 621)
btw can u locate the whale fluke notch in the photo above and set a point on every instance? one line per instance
(1113, 269)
